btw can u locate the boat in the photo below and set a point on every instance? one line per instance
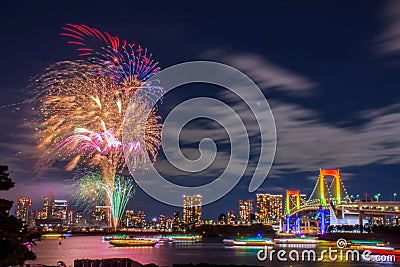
(296, 240)
(367, 242)
(166, 239)
(107, 238)
(390, 253)
(55, 235)
(133, 242)
(376, 248)
(184, 238)
(248, 241)
(286, 235)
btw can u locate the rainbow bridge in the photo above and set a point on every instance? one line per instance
(330, 197)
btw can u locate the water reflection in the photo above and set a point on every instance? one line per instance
(165, 254)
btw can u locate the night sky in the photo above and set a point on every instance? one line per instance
(329, 69)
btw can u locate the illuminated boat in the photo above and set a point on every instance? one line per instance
(382, 250)
(107, 238)
(367, 242)
(296, 241)
(184, 238)
(389, 253)
(375, 247)
(52, 235)
(133, 242)
(286, 235)
(55, 235)
(165, 239)
(248, 241)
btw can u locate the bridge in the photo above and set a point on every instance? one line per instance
(331, 199)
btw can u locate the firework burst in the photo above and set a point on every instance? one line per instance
(83, 105)
(118, 196)
(82, 115)
(90, 189)
(127, 64)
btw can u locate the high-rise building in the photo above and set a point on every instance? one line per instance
(269, 208)
(47, 205)
(162, 221)
(169, 223)
(141, 221)
(176, 221)
(79, 217)
(101, 215)
(135, 221)
(192, 209)
(70, 217)
(59, 209)
(40, 215)
(245, 210)
(231, 219)
(24, 212)
(46, 208)
(130, 218)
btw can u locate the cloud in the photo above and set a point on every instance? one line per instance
(306, 141)
(19, 150)
(388, 42)
(265, 73)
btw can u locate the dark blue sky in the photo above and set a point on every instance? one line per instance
(329, 70)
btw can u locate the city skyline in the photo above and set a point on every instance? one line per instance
(265, 207)
(372, 195)
(268, 211)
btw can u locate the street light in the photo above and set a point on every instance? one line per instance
(358, 197)
(377, 197)
(394, 197)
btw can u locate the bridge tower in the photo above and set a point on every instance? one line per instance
(323, 194)
(336, 184)
(288, 204)
(292, 201)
